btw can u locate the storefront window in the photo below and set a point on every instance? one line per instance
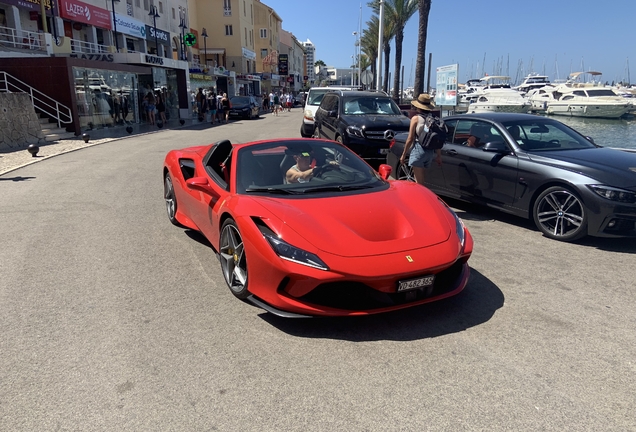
(105, 98)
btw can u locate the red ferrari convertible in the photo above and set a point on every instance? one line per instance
(304, 227)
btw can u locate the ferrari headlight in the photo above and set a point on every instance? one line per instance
(614, 194)
(355, 131)
(459, 225)
(294, 254)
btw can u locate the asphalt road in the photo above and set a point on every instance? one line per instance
(112, 319)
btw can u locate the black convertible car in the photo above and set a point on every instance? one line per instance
(534, 167)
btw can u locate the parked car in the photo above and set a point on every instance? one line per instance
(364, 121)
(246, 107)
(312, 101)
(345, 241)
(534, 167)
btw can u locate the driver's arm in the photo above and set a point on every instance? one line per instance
(293, 176)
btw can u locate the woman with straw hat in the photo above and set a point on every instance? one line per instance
(420, 158)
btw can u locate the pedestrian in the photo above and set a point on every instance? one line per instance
(150, 107)
(219, 108)
(276, 104)
(226, 104)
(265, 102)
(161, 108)
(271, 101)
(420, 158)
(125, 107)
(201, 104)
(212, 106)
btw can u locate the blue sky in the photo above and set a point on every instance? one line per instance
(514, 36)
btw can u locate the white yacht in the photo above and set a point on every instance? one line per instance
(532, 82)
(580, 98)
(496, 95)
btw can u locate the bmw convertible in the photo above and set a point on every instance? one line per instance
(338, 239)
(534, 167)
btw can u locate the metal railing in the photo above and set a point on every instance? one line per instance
(79, 46)
(21, 39)
(40, 101)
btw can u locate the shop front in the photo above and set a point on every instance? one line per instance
(158, 42)
(84, 24)
(26, 15)
(131, 34)
(248, 85)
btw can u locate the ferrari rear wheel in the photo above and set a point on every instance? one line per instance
(232, 257)
(560, 214)
(171, 200)
(405, 172)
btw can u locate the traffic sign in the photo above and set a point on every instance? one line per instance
(189, 39)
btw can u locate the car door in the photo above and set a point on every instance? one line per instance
(475, 173)
(329, 116)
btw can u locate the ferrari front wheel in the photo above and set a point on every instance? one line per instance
(232, 257)
(171, 199)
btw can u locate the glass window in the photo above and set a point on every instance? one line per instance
(263, 33)
(161, 7)
(228, 30)
(263, 52)
(146, 5)
(545, 134)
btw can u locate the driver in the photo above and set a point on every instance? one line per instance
(303, 171)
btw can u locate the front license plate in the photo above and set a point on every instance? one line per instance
(410, 284)
(384, 151)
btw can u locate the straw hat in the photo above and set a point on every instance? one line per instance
(424, 102)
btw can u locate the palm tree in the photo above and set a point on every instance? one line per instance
(396, 14)
(388, 33)
(369, 44)
(319, 63)
(424, 10)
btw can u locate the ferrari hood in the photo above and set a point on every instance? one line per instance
(394, 220)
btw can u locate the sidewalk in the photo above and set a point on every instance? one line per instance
(12, 160)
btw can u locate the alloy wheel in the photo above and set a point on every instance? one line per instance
(405, 172)
(233, 262)
(560, 214)
(171, 200)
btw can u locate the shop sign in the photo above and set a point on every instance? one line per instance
(220, 71)
(195, 40)
(162, 36)
(250, 55)
(249, 77)
(130, 26)
(34, 5)
(200, 77)
(283, 64)
(290, 79)
(94, 57)
(153, 60)
(88, 14)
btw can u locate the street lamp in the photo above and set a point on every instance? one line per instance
(204, 35)
(115, 25)
(355, 52)
(155, 14)
(182, 25)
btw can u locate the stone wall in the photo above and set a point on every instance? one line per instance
(19, 124)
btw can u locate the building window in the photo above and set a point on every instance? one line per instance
(246, 41)
(263, 33)
(146, 5)
(244, 9)
(228, 30)
(129, 8)
(138, 3)
(263, 53)
(161, 7)
(227, 8)
(174, 15)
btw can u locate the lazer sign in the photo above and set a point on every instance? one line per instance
(162, 36)
(85, 13)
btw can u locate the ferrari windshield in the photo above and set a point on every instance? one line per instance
(541, 134)
(302, 167)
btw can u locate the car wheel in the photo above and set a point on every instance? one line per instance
(171, 199)
(316, 133)
(339, 139)
(405, 172)
(559, 214)
(232, 257)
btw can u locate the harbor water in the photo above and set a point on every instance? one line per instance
(617, 133)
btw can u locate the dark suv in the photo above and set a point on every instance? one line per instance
(366, 122)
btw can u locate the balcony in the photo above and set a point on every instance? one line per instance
(78, 46)
(23, 40)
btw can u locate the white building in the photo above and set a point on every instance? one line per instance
(310, 54)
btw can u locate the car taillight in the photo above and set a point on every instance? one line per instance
(392, 143)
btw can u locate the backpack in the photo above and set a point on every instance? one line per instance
(435, 138)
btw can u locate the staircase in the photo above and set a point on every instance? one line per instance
(47, 108)
(51, 132)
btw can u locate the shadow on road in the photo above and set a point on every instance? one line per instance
(474, 306)
(16, 179)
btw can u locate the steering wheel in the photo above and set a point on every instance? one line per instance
(319, 171)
